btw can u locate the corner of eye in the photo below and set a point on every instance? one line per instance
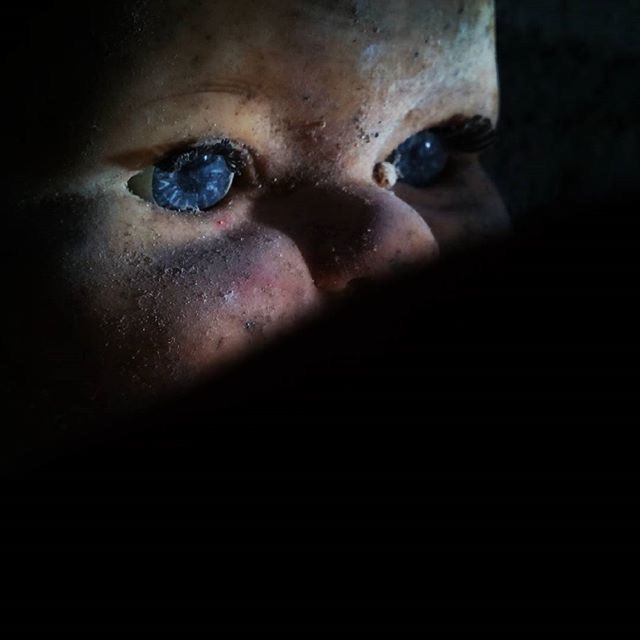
(140, 185)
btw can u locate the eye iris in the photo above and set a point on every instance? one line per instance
(420, 159)
(196, 181)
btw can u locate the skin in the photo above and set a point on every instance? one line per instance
(317, 93)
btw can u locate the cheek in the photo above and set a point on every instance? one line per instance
(174, 314)
(232, 297)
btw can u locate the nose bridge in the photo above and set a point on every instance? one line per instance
(347, 232)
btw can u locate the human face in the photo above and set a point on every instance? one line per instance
(315, 95)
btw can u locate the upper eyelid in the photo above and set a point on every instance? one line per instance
(463, 134)
(469, 135)
(146, 134)
(236, 154)
(456, 132)
(141, 158)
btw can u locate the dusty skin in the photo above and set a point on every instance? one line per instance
(317, 94)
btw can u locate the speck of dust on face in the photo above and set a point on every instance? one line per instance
(252, 327)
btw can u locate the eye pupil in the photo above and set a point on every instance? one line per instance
(196, 181)
(420, 159)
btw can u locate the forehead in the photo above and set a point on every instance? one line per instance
(263, 71)
(273, 46)
(399, 16)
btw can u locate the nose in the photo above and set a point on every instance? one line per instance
(348, 233)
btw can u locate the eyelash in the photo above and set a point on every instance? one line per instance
(471, 135)
(233, 154)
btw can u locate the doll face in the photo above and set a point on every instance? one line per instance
(233, 183)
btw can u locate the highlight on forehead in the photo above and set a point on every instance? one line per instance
(241, 35)
(269, 48)
(371, 16)
(428, 20)
(349, 13)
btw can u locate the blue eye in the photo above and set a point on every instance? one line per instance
(420, 159)
(192, 181)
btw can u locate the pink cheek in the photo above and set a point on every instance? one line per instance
(261, 293)
(275, 284)
(257, 277)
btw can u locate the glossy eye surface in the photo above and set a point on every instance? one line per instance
(420, 159)
(190, 181)
(194, 180)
